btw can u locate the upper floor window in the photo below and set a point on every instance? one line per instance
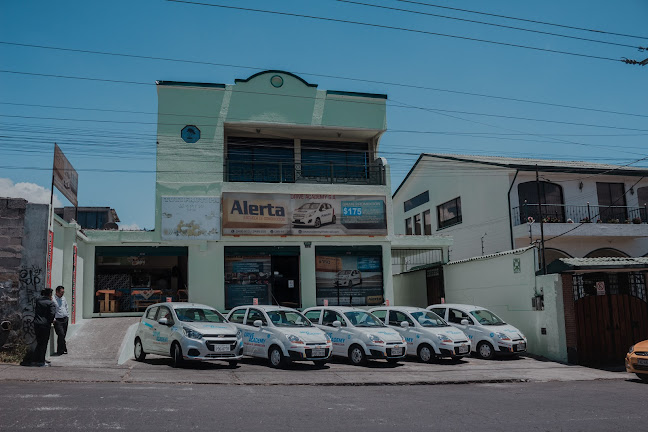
(260, 160)
(449, 213)
(417, 224)
(416, 201)
(408, 226)
(334, 160)
(612, 202)
(427, 222)
(551, 200)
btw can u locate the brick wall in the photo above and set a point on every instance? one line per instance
(571, 330)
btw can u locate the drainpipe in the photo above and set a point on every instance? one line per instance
(509, 208)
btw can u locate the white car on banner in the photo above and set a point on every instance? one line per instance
(488, 334)
(314, 214)
(427, 335)
(280, 334)
(187, 331)
(348, 278)
(357, 334)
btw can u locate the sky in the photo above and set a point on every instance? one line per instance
(449, 91)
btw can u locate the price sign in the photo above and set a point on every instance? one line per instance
(352, 211)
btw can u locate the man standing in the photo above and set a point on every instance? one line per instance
(61, 320)
(44, 313)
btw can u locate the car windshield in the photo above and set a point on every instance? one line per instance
(429, 319)
(199, 315)
(288, 319)
(309, 206)
(363, 319)
(486, 317)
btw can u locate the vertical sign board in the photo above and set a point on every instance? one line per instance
(65, 177)
(50, 253)
(74, 272)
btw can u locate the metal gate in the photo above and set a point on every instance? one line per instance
(611, 315)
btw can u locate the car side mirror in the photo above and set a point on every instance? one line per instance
(258, 323)
(465, 322)
(337, 324)
(404, 324)
(163, 321)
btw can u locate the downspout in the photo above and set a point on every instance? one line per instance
(509, 209)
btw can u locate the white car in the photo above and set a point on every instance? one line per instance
(280, 334)
(314, 214)
(347, 278)
(357, 334)
(187, 331)
(489, 335)
(427, 335)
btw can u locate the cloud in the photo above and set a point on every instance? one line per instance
(30, 191)
(129, 227)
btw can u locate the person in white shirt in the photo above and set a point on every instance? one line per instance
(61, 320)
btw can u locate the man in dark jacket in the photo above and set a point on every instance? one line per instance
(44, 313)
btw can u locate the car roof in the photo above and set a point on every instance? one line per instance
(176, 305)
(338, 308)
(457, 306)
(267, 308)
(405, 308)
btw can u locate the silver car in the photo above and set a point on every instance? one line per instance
(187, 331)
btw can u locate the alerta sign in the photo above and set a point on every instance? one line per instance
(256, 210)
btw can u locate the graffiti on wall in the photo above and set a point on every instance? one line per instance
(31, 284)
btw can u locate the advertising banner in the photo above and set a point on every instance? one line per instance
(50, 254)
(349, 280)
(300, 214)
(247, 278)
(190, 218)
(65, 176)
(74, 274)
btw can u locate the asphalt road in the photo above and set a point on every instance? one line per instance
(552, 406)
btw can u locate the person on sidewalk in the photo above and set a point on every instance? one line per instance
(44, 313)
(61, 320)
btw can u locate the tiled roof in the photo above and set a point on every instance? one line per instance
(483, 257)
(617, 261)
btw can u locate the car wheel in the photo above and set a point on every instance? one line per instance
(176, 355)
(232, 363)
(643, 377)
(140, 355)
(357, 355)
(276, 357)
(318, 223)
(319, 363)
(485, 350)
(334, 219)
(425, 353)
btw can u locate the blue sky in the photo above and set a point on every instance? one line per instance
(114, 149)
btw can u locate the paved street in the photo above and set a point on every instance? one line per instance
(576, 406)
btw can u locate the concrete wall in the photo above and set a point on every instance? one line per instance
(492, 282)
(410, 289)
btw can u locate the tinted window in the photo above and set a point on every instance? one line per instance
(237, 316)
(427, 222)
(416, 201)
(334, 160)
(284, 318)
(260, 160)
(363, 319)
(449, 213)
(439, 311)
(199, 315)
(380, 314)
(254, 315)
(164, 312)
(330, 316)
(551, 199)
(611, 200)
(313, 315)
(397, 317)
(408, 226)
(151, 313)
(455, 316)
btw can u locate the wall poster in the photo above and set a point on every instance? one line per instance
(190, 218)
(303, 214)
(247, 278)
(349, 280)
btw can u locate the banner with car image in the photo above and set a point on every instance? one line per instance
(349, 280)
(303, 214)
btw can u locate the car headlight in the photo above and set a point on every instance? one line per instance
(444, 338)
(503, 336)
(239, 334)
(294, 339)
(631, 349)
(328, 338)
(192, 334)
(375, 339)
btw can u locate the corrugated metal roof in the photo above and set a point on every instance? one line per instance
(483, 257)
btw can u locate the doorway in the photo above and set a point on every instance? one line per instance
(285, 281)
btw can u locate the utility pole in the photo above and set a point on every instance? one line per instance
(542, 246)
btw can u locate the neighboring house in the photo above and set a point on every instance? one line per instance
(90, 217)
(485, 202)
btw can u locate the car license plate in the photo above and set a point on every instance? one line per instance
(397, 351)
(521, 346)
(642, 362)
(318, 352)
(220, 347)
(463, 349)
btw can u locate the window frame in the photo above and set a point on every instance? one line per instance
(418, 228)
(408, 226)
(441, 223)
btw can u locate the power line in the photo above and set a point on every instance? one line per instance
(523, 19)
(386, 83)
(429, 33)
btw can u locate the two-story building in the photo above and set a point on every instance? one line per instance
(491, 204)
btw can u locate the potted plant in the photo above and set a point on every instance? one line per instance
(636, 220)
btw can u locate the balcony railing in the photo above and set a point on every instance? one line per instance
(290, 172)
(560, 213)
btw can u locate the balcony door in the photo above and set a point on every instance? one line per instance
(551, 199)
(612, 202)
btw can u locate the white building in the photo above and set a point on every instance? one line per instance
(485, 202)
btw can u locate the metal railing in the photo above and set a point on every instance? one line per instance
(560, 213)
(291, 172)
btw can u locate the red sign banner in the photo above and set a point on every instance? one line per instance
(74, 272)
(50, 253)
(65, 176)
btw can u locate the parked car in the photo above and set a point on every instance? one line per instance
(357, 335)
(314, 214)
(187, 331)
(427, 335)
(347, 278)
(489, 335)
(280, 334)
(636, 360)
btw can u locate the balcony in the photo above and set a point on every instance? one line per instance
(291, 172)
(560, 213)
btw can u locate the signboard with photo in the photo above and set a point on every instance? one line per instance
(303, 214)
(247, 278)
(190, 218)
(349, 280)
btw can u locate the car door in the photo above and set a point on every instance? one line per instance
(326, 213)
(455, 316)
(340, 335)
(162, 333)
(148, 327)
(396, 317)
(255, 337)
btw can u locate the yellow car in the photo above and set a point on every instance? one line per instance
(637, 360)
